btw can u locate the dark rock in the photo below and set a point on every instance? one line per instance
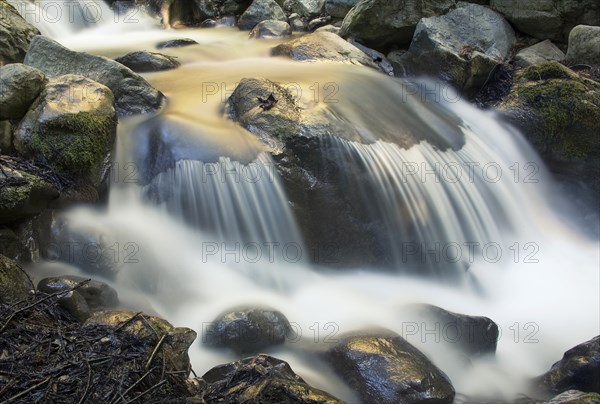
(15, 35)
(306, 8)
(20, 85)
(260, 10)
(339, 8)
(579, 369)
(72, 127)
(6, 137)
(271, 29)
(584, 46)
(384, 368)
(539, 53)
(377, 57)
(141, 62)
(176, 43)
(260, 379)
(97, 294)
(318, 22)
(379, 24)
(248, 329)
(14, 283)
(132, 93)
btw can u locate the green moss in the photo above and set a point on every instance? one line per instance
(17, 194)
(547, 71)
(14, 284)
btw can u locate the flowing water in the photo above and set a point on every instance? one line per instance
(215, 229)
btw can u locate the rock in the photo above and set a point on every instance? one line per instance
(234, 7)
(142, 62)
(297, 23)
(72, 127)
(339, 8)
(557, 111)
(150, 330)
(260, 10)
(132, 93)
(474, 335)
(14, 283)
(248, 329)
(460, 49)
(97, 294)
(334, 30)
(271, 29)
(323, 46)
(584, 46)
(9, 243)
(305, 8)
(579, 369)
(15, 35)
(23, 194)
(377, 57)
(575, 397)
(176, 43)
(548, 19)
(260, 379)
(6, 137)
(379, 24)
(318, 22)
(384, 368)
(19, 87)
(539, 53)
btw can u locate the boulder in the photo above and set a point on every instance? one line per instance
(384, 368)
(248, 329)
(15, 285)
(584, 46)
(271, 29)
(458, 48)
(297, 22)
(15, 35)
(20, 85)
(377, 57)
(234, 7)
(6, 137)
(548, 19)
(339, 8)
(318, 22)
(575, 397)
(260, 10)
(579, 369)
(539, 53)
(260, 379)
(97, 294)
(133, 94)
(323, 46)
(381, 24)
(71, 127)
(305, 8)
(176, 43)
(142, 62)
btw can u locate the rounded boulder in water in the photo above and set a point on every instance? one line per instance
(142, 62)
(248, 329)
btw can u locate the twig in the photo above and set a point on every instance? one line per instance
(40, 384)
(132, 386)
(147, 391)
(87, 385)
(156, 348)
(128, 321)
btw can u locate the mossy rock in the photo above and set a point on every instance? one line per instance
(14, 283)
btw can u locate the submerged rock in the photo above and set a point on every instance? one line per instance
(176, 43)
(20, 85)
(260, 10)
(142, 62)
(260, 379)
(579, 369)
(584, 46)
(133, 94)
(248, 329)
(14, 283)
(271, 29)
(384, 368)
(15, 34)
(539, 53)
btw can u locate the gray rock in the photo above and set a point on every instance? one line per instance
(141, 62)
(575, 397)
(234, 7)
(305, 8)
(248, 329)
(384, 368)
(333, 29)
(19, 87)
(339, 8)
(71, 126)
(14, 283)
(539, 53)
(297, 22)
(323, 46)
(133, 94)
(15, 35)
(260, 379)
(379, 24)
(458, 48)
(379, 58)
(318, 22)
(584, 46)
(548, 19)
(271, 29)
(97, 294)
(260, 10)
(176, 43)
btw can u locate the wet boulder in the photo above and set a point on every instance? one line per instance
(579, 369)
(20, 85)
(539, 53)
(97, 294)
(260, 379)
(71, 127)
(248, 329)
(584, 46)
(271, 29)
(459, 48)
(260, 10)
(15, 34)
(176, 43)
(15, 285)
(384, 368)
(575, 397)
(142, 62)
(133, 95)
(380, 24)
